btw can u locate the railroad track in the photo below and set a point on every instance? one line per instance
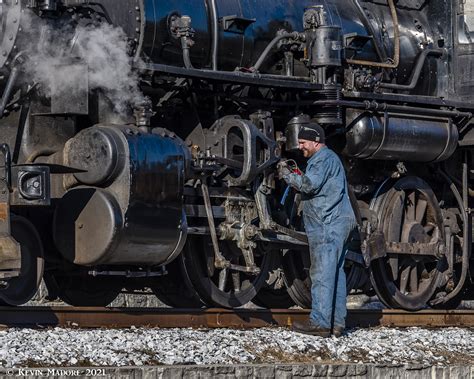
(88, 317)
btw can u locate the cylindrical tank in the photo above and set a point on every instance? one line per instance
(131, 211)
(326, 46)
(394, 137)
(292, 129)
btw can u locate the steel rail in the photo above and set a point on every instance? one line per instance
(92, 317)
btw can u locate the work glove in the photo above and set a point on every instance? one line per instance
(283, 169)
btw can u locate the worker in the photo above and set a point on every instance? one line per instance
(328, 219)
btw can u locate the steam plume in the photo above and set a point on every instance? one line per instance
(102, 48)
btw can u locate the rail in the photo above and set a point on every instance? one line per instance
(88, 317)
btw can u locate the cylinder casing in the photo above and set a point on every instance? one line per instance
(136, 219)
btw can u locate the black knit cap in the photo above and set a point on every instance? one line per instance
(312, 132)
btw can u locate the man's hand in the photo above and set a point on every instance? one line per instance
(283, 169)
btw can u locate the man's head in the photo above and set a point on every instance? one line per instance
(311, 138)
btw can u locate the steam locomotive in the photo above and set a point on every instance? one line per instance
(140, 140)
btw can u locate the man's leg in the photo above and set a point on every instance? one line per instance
(316, 325)
(340, 306)
(323, 277)
(343, 230)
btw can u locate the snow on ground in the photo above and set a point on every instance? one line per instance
(139, 346)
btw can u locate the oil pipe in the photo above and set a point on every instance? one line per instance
(416, 72)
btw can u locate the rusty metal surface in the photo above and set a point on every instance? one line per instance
(217, 318)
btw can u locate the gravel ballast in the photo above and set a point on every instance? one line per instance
(148, 346)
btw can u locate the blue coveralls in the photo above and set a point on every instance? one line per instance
(328, 219)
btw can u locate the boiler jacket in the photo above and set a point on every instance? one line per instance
(328, 219)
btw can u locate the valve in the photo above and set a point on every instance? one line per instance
(180, 26)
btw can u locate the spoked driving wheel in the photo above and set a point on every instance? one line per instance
(225, 287)
(175, 288)
(296, 264)
(274, 293)
(82, 290)
(409, 214)
(21, 289)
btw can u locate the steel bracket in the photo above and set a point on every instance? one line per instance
(236, 24)
(435, 249)
(373, 247)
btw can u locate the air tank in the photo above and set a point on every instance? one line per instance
(394, 137)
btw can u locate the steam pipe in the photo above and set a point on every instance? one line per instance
(396, 52)
(416, 72)
(8, 89)
(366, 105)
(270, 46)
(215, 33)
(186, 55)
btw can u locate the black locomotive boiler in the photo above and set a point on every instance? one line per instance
(140, 140)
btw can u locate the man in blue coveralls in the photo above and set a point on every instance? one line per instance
(328, 219)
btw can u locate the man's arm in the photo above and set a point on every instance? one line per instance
(311, 182)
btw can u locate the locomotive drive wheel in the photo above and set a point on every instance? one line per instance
(296, 266)
(226, 287)
(276, 298)
(22, 288)
(273, 293)
(175, 288)
(408, 212)
(82, 290)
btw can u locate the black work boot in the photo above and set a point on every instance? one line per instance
(309, 327)
(337, 331)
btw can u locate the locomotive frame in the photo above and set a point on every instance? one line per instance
(176, 190)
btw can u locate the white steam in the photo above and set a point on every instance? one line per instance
(103, 49)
